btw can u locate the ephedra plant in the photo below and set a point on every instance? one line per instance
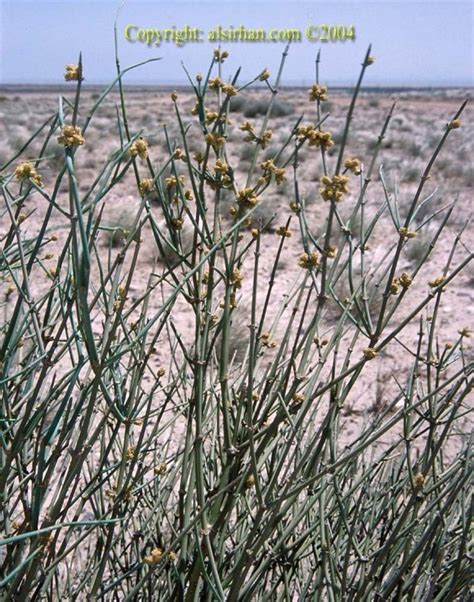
(145, 460)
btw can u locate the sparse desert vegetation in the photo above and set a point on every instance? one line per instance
(235, 341)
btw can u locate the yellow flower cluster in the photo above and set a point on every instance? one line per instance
(219, 56)
(406, 233)
(160, 469)
(140, 148)
(394, 287)
(246, 198)
(177, 223)
(269, 168)
(284, 232)
(224, 181)
(215, 83)
(353, 165)
(369, 353)
(211, 116)
(236, 279)
(308, 260)
(71, 135)
(215, 140)
(264, 75)
(73, 73)
(217, 183)
(131, 452)
(229, 90)
(171, 181)
(403, 281)
(250, 482)
(303, 131)
(454, 124)
(314, 136)
(370, 60)
(221, 167)
(297, 400)
(320, 139)
(318, 92)
(246, 126)
(179, 154)
(146, 185)
(333, 188)
(266, 340)
(26, 171)
(263, 140)
(418, 481)
(437, 281)
(154, 558)
(198, 157)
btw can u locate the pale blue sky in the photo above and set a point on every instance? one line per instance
(415, 43)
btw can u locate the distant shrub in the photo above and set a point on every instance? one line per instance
(260, 107)
(246, 152)
(237, 104)
(412, 173)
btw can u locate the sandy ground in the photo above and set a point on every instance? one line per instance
(417, 125)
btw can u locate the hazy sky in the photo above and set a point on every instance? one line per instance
(415, 43)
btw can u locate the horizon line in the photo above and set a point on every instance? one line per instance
(182, 85)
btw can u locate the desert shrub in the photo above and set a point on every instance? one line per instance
(246, 153)
(263, 217)
(5, 155)
(414, 149)
(328, 106)
(282, 109)
(338, 135)
(411, 173)
(237, 104)
(118, 225)
(260, 107)
(468, 176)
(175, 431)
(418, 248)
(90, 162)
